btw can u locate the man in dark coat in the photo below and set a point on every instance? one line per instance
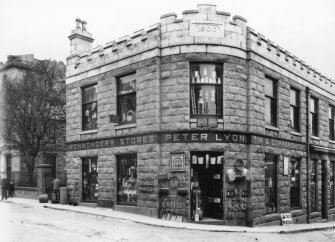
(4, 188)
(10, 188)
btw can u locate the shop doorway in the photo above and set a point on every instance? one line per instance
(206, 186)
(90, 179)
(323, 190)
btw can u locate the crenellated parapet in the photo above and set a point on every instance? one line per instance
(204, 30)
(201, 30)
(263, 48)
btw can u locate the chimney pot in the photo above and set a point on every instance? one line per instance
(84, 24)
(78, 23)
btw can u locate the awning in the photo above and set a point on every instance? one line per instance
(322, 149)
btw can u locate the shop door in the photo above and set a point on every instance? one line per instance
(206, 185)
(90, 179)
(323, 190)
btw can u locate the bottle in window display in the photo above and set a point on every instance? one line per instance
(200, 103)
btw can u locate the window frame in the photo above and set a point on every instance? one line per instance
(314, 167)
(296, 110)
(128, 93)
(331, 110)
(314, 116)
(86, 103)
(332, 179)
(273, 102)
(119, 181)
(297, 203)
(218, 90)
(275, 181)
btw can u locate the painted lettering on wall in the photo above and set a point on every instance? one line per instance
(258, 140)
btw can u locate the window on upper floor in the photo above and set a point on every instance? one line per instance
(89, 107)
(294, 109)
(314, 110)
(331, 122)
(206, 89)
(126, 99)
(270, 102)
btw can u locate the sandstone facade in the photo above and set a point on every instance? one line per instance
(161, 58)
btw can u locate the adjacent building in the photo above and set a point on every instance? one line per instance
(12, 165)
(201, 117)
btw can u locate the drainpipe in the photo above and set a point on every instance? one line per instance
(307, 152)
(159, 114)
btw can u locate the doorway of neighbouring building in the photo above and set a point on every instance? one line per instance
(9, 166)
(90, 179)
(206, 186)
(323, 190)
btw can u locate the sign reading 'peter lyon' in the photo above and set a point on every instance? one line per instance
(214, 29)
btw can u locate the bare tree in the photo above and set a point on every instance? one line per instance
(32, 104)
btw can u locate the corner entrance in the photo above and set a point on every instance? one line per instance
(206, 186)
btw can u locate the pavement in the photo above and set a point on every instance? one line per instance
(108, 212)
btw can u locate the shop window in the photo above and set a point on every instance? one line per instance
(270, 183)
(294, 109)
(313, 185)
(90, 107)
(126, 98)
(331, 123)
(90, 179)
(331, 184)
(270, 102)
(314, 115)
(206, 89)
(127, 179)
(295, 182)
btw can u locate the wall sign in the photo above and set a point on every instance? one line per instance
(207, 28)
(177, 162)
(286, 160)
(278, 143)
(146, 185)
(188, 136)
(286, 218)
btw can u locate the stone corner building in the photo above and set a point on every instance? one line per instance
(12, 166)
(203, 117)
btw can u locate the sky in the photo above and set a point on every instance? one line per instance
(306, 28)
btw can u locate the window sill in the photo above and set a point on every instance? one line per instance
(315, 138)
(195, 120)
(271, 128)
(89, 131)
(332, 141)
(125, 126)
(295, 133)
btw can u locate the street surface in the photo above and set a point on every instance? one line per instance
(29, 223)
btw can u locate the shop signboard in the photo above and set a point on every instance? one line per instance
(146, 185)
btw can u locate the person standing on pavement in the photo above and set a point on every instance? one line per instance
(10, 188)
(4, 188)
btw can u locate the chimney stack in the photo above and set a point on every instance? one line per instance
(81, 40)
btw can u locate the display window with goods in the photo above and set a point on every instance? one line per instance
(206, 89)
(90, 108)
(270, 183)
(90, 179)
(126, 99)
(127, 180)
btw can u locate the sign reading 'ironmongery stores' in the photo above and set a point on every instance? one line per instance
(183, 137)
